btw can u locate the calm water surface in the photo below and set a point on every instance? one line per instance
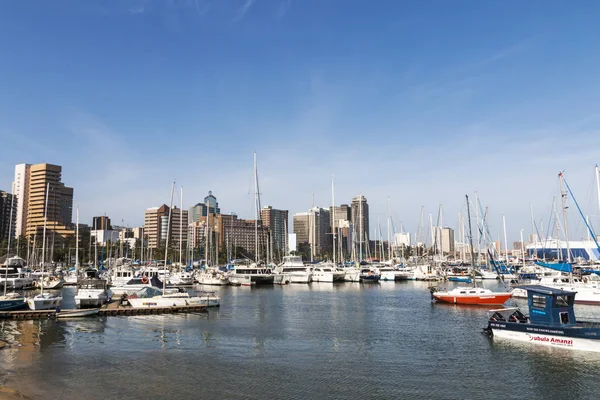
(346, 341)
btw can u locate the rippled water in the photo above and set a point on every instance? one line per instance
(296, 342)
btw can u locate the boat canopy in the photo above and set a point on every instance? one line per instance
(550, 306)
(562, 267)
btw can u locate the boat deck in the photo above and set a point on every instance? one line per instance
(112, 309)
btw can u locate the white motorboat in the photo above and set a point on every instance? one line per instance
(405, 274)
(181, 278)
(14, 275)
(51, 282)
(153, 297)
(327, 273)
(71, 278)
(44, 301)
(258, 275)
(294, 270)
(92, 293)
(120, 275)
(212, 276)
(351, 274)
(137, 284)
(388, 273)
(587, 287)
(481, 274)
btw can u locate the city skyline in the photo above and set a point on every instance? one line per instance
(416, 103)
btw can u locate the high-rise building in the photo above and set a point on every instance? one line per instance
(101, 223)
(360, 220)
(21, 190)
(210, 205)
(276, 221)
(7, 206)
(156, 225)
(34, 182)
(235, 232)
(313, 227)
(444, 239)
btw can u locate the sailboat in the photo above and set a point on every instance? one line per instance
(153, 297)
(44, 301)
(470, 295)
(10, 301)
(588, 287)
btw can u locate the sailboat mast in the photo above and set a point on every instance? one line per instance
(44, 231)
(505, 239)
(12, 203)
(333, 215)
(477, 226)
(563, 195)
(389, 232)
(181, 228)
(598, 184)
(255, 210)
(77, 243)
(470, 235)
(167, 240)
(360, 227)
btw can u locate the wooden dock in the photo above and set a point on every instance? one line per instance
(112, 309)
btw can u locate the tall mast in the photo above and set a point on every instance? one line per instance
(389, 232)
(477, 226)
(77, 243)
(360, 229)
(598, 185)
(12, 202)
(563, 195)
(168, 234)
(44, 231)
(333, 215)
(505, 240)
(255, 210)
(470, 235)
(181, 228)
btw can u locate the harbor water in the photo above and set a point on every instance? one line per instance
(342, 341)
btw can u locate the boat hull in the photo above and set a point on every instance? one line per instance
(43, 303)
(77, 313)
(479, 300)
(543, 336)
(13, 304)
(175, 302)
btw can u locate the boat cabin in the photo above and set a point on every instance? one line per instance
(550, 306)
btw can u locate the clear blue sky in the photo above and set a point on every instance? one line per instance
(421, 101)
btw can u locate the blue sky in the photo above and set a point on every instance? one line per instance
(421, 101)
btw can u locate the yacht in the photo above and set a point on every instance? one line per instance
(256, 274)
(13, 274)
(388, 273)
(370, 275)
(212, 276)
(587, 287)
(92, 293)
(153, 297)
(327, 272)
(50, 282)
(121, 275)
(293, 268)
(405, 274)
(181, 278)
(138, 283)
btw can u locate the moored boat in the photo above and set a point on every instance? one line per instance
(89, 312)
(470, 295)
(12, 301)
(551, 321)
(44, 301)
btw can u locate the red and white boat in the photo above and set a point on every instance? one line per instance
(470, 295)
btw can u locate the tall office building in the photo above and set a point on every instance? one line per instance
(444, 239)
(101, 223)
(33, 182)
(276, 221)
(210, 205)
(21, 190)
(360, 220)
(156, 225)
(7, 204)
(313, 227)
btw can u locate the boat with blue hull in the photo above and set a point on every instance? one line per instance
(459, 279)
(12, 302)
(551, 321)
